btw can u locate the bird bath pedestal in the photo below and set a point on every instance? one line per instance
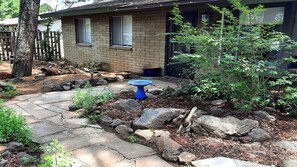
(140, 84)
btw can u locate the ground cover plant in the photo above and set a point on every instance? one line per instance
(231, 59)
(88, 100)
(13, 126)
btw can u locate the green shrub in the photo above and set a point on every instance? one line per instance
(9, 93)
(93, 119)
(55, 156)
(132, 139)
(88, 99)
(228, 60)
(13, 126)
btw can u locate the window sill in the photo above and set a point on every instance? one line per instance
(121, 47)
(84, 44)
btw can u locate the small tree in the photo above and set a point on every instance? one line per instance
(229, 60)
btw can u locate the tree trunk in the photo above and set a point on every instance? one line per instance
(27, 27)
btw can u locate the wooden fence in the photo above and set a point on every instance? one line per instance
(46, 44)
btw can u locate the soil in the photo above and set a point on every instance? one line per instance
(207, 146)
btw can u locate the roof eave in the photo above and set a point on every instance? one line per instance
(59, 14)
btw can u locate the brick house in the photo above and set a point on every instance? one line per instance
(130, 34)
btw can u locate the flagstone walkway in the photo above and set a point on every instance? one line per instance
(48, 116)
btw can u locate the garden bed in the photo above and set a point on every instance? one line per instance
(283, 128)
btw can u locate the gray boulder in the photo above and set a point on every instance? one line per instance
(128, 105)
(25, 158)
(259, 135)
(223, 127)
(3, 162)
(15, 147)
(218, 102)
(264, 115)
(290, 163)
(156, 118)
(288, 145)
(124, 129)
(40, 76)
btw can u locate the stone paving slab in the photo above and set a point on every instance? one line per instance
(78, 142)
(18, 109)
(56, 119)
(85, 130)
(44, 128)
(152, 161)
(125, 148)
(224, 162)
(31, 119)
(98, 156)
(48, 138)
(52, 97)
(26, 97)
(36, 111)
(63, 105)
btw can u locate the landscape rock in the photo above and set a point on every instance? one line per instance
(120, 78)
(66, 87)
(169, 148)
(155, 92)
(124, 129)
(289, 145)
(111, 78)
(218, 102)
(3, 162)
(290, 163)
(5, 155)
(72, 107)
(79, 82)
(161, 133)
(186, 157)
(40, 76)
(102, 82)
(259, 135)
(146, 134)
(2, 149)
(15, 147)
(25, 158)
(217, 111)
(106, 119)
(128, 105)
(264, 115)
(156, 118)
(5, 86)
(269, 109)
(50, 85)
(116, 122)
(223, 127)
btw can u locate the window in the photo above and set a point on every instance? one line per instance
(121, 30)
(83, 30)
(270, 15)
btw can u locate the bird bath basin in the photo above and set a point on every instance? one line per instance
(140, 84)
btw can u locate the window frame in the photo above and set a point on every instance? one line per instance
(121, 33)
(77, 31)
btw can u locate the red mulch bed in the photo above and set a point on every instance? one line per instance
(206, 147)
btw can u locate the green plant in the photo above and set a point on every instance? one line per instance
(105, 96)
(55, 156)
(230, 56)
(13, 126)
(88, 100)
(93, 119)
(132, 139)
(9, 92)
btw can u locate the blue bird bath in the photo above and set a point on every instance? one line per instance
(140, 84)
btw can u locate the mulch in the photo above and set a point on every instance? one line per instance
(207, 146)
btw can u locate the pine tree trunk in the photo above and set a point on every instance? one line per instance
(27, 27)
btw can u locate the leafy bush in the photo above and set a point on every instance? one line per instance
(10, 92)
(229, 60)
(13, 126)
(55, 156)
(88, 99)
(95, 118)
